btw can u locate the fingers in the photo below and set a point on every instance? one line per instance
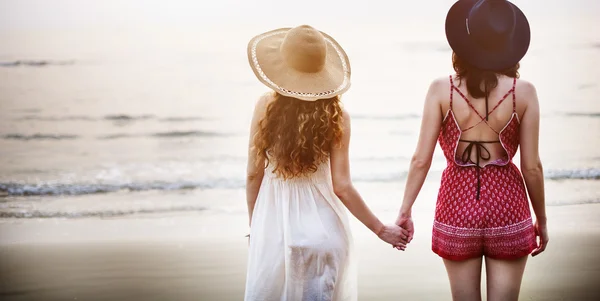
(536, 251)
(401, 235)
(404, 232)
(542, 235)
(400, 243)
(539, 250)
(399, 248)
(541, 247)
(406, 235)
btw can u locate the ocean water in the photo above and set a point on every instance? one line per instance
(111, 117)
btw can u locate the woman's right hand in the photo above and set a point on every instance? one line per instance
(541, 231)
(406, 222)
(394, 235)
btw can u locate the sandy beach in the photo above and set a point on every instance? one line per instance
(203, 257)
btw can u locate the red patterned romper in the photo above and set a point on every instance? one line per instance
(481, 210)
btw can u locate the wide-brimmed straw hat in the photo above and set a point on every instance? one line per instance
(300, 62)
(488, 34)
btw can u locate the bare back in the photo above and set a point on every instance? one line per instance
(480, 131)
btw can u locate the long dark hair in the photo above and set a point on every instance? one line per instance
(296, 136)
(474, 76)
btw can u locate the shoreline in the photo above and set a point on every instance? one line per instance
(196, 257)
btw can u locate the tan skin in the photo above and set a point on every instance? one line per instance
(503, 276)
(342, 183)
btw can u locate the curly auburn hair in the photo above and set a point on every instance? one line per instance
(297, 136)
(475, 76)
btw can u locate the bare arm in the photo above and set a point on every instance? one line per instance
(255, 170)
(531, 165)
(421, 160)
(344, 189)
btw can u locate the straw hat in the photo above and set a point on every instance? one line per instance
(488, 34)
(300, 62)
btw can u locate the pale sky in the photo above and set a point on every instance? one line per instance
(38, 14)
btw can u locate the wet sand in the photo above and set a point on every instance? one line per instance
(203, 257)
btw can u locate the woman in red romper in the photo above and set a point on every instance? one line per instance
(480, 116)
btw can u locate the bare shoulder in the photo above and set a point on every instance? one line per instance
(443, 81)
(438, 89)
(526, 91)
(346, 118)
(345, 114)
(265, 99)
(440, 84)
(263, 102)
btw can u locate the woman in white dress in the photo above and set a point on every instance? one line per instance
(298, 172)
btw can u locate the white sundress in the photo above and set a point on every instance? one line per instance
(300, 241)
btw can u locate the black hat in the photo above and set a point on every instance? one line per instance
(488, 34)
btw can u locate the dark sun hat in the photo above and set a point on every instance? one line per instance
(488, 34)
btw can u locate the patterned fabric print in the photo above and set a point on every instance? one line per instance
(497, 225)
(509, 230)
(504, 194)
(510, 242)
(448, 138)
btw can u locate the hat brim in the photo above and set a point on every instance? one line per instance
(271, 69)
(473, 53)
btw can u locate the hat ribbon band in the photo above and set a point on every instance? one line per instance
(467, 25)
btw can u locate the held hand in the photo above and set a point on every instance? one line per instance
(394, 235)
(406, 223)
(541, 231)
